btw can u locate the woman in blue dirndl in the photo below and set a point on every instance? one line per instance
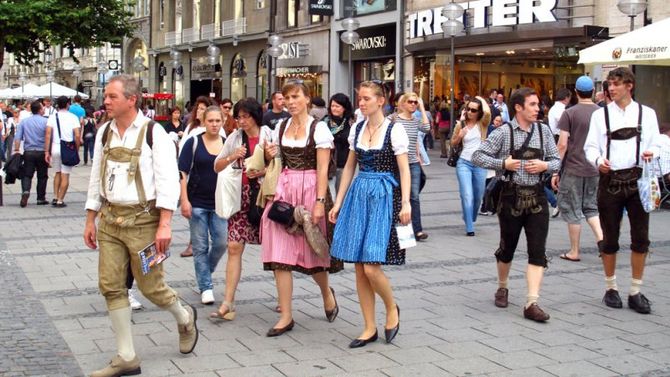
(377, 201)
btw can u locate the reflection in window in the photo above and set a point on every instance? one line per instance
(262, 77)
(238, 75)
(352, 8)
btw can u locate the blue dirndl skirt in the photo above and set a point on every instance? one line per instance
(364, 224)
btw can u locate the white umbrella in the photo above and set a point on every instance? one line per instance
(649, 45)
(56, 90)
(27, 91)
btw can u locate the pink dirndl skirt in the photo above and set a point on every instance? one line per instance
(284, 251)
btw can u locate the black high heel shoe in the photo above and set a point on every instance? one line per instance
(332, 314)
(358, 343)
(391, 333)
(280, 331)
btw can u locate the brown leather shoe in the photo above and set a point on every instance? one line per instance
(119, 367)
(533, 312)
(24, 199)
(188, 333)
(188, 252)
(501, 297)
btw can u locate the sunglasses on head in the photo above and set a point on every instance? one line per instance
(295, 81)
(380, 84)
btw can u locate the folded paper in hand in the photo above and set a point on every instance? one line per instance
(406, 237)
(149, 257)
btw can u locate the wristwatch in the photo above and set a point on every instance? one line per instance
(321, 200)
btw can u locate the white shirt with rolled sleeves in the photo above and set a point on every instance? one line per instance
(555, 115)
(158, 167)
(622, 152)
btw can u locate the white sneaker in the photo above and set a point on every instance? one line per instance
(134, 304)
(555, 212)
(207, 297)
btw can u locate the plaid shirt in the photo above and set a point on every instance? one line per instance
(495, 149)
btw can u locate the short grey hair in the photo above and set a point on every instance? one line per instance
(131, 87)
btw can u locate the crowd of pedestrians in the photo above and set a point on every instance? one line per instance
(322, 183)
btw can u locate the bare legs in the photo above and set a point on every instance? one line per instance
(574, 231)
(233, 272)
(534, 276)
(284, 280)
(370, 279)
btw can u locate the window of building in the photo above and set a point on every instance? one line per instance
(238, 75)
(316, 19)
(147, 7)
(196, 14)
(352, 8)
(161, 17)
(292, 13)
(239, 9)
(260, 4)
(262, 76)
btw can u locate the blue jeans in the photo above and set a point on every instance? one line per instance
(551, 198)
(471, 186)
(415, 174)
(204, 223)
(88, 149)
(422, 148)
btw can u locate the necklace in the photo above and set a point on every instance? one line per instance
(296, 129)
(372, 133)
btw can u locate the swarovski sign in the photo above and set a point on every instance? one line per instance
(378, 41)
(502, 13)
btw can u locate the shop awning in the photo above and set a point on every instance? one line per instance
(649, 45)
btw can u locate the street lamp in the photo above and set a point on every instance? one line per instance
(22, 80)
(632, 8)
(213, 53)
(175, 61)
(50, 79)
(350, 36)
(451, 27)
(274, 51)
(102, 71)
(138, 66)
(76, 73)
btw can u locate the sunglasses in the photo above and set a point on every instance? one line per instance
(227, 107)
(296, 81)
(473, 110)
(413, 102)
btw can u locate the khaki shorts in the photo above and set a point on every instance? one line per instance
(578, 198)
(57, 165)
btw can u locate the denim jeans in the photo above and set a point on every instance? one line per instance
(204, 223)
(415, 174)
(471, 186)
(88, 149)
(422, 149)
(551, 198)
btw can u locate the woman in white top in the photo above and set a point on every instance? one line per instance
(304, 145)
(470, 131)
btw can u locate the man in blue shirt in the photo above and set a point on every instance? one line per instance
(32, 132)
(77, 109)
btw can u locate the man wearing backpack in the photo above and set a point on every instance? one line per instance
(621, 135)
(136, 197)
(522, 152)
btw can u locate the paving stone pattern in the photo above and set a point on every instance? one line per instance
(53, 322)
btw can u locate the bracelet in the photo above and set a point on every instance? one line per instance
(321, 200)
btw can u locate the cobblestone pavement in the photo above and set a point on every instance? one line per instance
(53, 321)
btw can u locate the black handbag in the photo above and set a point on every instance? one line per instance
(69, 154)
(454, 155)
(492, 194)
(282, 213)
(255, 211)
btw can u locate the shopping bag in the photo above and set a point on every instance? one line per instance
(648, 188)
(228, 194)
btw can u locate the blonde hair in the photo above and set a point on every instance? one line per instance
(406, 97)
(377, 89)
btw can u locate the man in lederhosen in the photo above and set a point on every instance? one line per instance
(622, 134)
(135, 186)
(521, 153)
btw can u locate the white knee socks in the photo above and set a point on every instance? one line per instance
(124, 338)
(179, 312)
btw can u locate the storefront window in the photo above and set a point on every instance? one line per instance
(292, 13)
(238, 74)
(353, 8)
(650, 82)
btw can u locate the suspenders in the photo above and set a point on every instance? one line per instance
(638, 137)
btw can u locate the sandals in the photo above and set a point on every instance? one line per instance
(227, 315)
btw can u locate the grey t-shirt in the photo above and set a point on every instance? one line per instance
(576, 121)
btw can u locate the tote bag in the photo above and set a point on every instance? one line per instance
(228, 195)
(648, 188)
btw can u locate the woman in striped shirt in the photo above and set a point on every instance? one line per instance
(407, 105)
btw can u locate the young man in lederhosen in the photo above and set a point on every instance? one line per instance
(136, 197)
(523, 152)
(622, 134)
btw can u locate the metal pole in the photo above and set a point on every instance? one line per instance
(451, 91)
(632, 23)
(351, 78)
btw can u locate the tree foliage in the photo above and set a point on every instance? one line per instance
(27, 27)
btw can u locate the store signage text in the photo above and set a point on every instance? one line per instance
(299, 70)
(321, 7)
(502, 13)
(378, 41)
(640, 53)
(293, 50)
